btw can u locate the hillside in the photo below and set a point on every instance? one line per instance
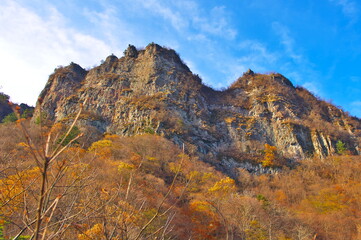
(5, 109)
(145, 187)
(153, 91)
(138, 148)
(6, 112)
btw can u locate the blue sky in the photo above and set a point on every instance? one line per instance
(316, 44)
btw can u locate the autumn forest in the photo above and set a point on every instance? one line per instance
(57, 184)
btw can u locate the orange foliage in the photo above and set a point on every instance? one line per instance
(270, 153)
(119, 184)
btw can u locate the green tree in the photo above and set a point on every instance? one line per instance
(340, 147)
(66, 138)
(10, 118)
(4, 98)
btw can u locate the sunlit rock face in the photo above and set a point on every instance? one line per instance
(153, 91)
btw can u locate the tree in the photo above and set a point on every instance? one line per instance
(10, 118)
(340, 147)
(270, 155)
(49, 172)
(4, 98)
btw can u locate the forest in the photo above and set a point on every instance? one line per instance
(58, 181)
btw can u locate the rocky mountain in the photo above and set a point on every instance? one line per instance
(153, 91)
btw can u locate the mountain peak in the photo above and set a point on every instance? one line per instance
(151, 90)
(249, 72)
(131, 51)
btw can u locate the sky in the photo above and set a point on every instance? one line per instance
(315, 44)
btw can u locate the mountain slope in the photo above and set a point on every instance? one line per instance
(6, 111)
(153, 91)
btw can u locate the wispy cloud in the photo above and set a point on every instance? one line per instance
(313, 87)
(349, 8)
(161, 8)
(295, 65)
(106, 24)
(36, 45)
(258, 52)
(287, 41)
(215, 23)
(187, 17)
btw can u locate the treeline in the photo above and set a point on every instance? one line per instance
(6, 112)
(57, 184)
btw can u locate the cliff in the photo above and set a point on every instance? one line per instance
(153, 91)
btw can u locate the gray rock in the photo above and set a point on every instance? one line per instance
(152, 91)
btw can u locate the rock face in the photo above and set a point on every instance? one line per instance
(153, 91)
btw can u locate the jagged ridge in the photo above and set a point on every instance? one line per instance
(153, 91)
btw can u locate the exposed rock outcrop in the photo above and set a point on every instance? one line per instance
(153, 91)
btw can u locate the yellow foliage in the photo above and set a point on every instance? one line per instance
(329, 200)
(175, 167)
(125, 166)
(229, 120)
(204, 220)
(100, 144)
(269, 156)
(200, 206)
(101, 148)
(22, 144)
(56, 127)
(222, 187)
(111, 137)
(95, 233)
(193, 175)
(207, 176)
(12, 187)
(152, 158)
(284, 238)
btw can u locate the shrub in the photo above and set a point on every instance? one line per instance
(4, 98)
(72, 134)
(340, 147)
(270, 156)
(10, 118)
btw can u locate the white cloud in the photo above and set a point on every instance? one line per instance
(287, 41)
(32, 46)
(186, 16)
(216, 23)
(40, 38)
(258, 52)
(313, 87)
(164, 10)
(293, 64)
(349, 8)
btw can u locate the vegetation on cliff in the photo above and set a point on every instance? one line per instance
(140, 148)
(152, 91)
(145, 187)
